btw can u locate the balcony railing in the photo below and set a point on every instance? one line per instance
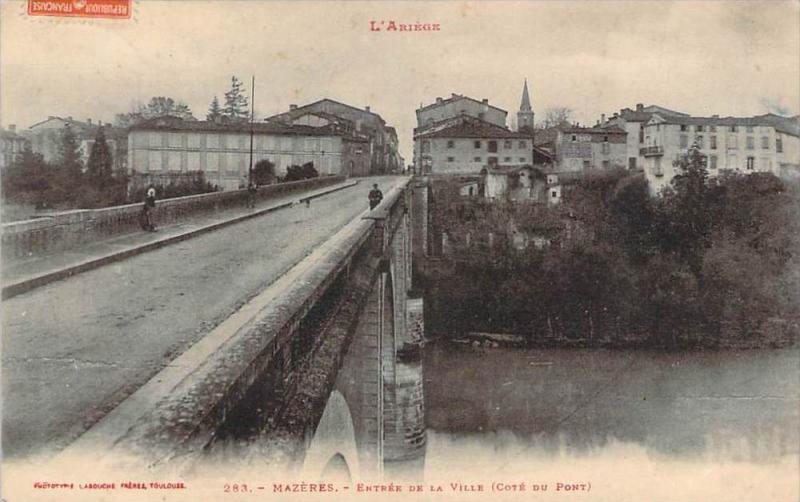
(651, 151)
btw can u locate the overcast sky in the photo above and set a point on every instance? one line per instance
(729, 58)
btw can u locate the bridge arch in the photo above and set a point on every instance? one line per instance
(333, 451)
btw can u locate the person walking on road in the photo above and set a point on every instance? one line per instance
(375, 197)
(251, 195)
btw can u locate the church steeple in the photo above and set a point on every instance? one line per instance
(525, 113)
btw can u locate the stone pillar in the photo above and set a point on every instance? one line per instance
(404, 453)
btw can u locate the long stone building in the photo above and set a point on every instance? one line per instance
(164, 147)
(765, 143)
(456, 105)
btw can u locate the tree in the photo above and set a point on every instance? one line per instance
(304, 172)
(100, 161)
(557, 116)
(158, 106)
(70, 161)
(687, 207)
(263, 172)
(236, 102)
(214, 110)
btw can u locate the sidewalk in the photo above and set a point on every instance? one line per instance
(19, 276)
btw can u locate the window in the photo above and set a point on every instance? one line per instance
(751, 163)
(684, 141)
(507, 144)
(765, 142)
(522, 159)
(712, 128)
(605, 139)
(553, 194)
(779, 144)
(700, 141)
(641, 133)
(451, 143)
(712, 163)
(451, 159)
(605, 148)
(506, 159)
(574, 138)
(657, 167)
(477, 144)
(586, 164)
(699, 128)
(750, 143)
(713, 141)
(476, 159)
(606, 164)
(683, 127)
(523, 144)
(631, 162)
(734, 128)
(493, 146)
(492, 161)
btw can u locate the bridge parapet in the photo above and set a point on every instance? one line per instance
(67, 229)
(336, 321)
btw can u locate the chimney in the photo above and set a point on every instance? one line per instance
(485, 101)
(69, 118)
(292, 107)
(615, 115)
(453, 95)
(366, 108)
(12, 127)
(715, 116)
(89, 121)
(639, 107)
(602, 118)
(438, 101)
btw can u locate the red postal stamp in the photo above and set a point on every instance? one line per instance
(110, 9)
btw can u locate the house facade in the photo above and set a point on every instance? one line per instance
(383, 153)
(45, 138)
(465, 145)
(584, 149)
(11, 146)
(168, 146)
(633, 121)
(765, 143)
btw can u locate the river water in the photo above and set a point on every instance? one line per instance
(634, 425)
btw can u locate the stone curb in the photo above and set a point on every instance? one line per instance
(25, 285)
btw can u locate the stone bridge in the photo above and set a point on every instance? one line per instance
(320, 372)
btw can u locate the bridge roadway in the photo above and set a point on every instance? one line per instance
(74, 349)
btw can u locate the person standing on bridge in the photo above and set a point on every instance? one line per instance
(375, 197)
(147, 210)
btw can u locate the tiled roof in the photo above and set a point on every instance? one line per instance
(304, 109)
(170, 123)
(788, 125)
(466, 126)
(456, 97)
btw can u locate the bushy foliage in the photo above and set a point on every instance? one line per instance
(304, 172)
(713, 262)
(264, 172)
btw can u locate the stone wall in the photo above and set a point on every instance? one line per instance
(68, 229)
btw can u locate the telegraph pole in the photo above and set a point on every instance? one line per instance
(252, 116)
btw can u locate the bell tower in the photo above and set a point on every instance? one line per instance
(525, 113)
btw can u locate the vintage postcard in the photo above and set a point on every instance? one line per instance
(468, 251)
